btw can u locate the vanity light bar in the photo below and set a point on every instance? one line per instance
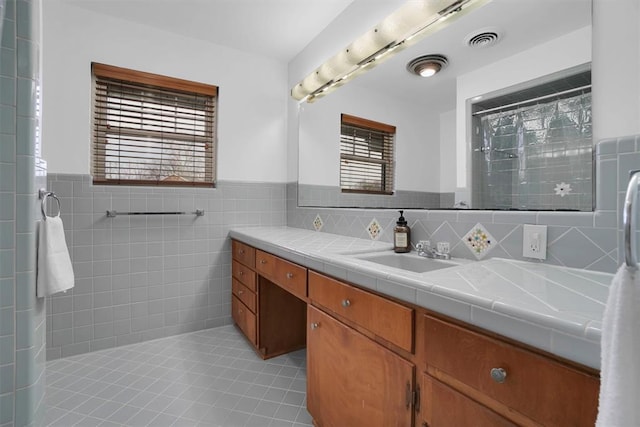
(404, 27)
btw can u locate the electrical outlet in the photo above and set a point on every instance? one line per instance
(534, 241)
(443, 247)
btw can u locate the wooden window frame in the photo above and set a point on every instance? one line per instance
(108, 74)
(387, 173)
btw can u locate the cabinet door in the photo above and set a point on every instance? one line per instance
(442, 406)
(353, 381)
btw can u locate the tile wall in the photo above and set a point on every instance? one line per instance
(590, 240)
(145, 277)
(325, 195)
(22, 316)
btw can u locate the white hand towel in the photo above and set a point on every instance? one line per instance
(620, 353)
(55, 273)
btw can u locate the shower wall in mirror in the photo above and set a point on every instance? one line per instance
(534, 152)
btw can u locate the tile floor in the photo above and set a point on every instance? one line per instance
(205, 378)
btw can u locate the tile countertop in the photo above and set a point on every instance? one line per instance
(556, 309)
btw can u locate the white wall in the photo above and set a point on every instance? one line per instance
(253, 90)
(355, 20)
(417, 140)
(448, 151)
(564, 52)
(616, 68)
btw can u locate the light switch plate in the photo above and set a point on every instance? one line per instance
(534, 241)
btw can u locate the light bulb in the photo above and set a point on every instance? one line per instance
(428, 69)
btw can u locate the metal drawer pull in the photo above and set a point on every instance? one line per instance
(346, 303)
(314, 326)
(240, 292)
(241, 251)
(499, 375)
(263, 261)
(241, 272)
(289, 275)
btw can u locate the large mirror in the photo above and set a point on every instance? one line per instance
(451, 148)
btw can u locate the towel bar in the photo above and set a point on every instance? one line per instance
(43, 194)
(629, 215)
(113, 214)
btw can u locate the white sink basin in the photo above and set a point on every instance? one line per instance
(410, 261)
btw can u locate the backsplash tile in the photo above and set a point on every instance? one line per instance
(597, 233)
(479, 241)
(317, 223)
(374, 229)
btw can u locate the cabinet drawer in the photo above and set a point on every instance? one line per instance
(285, 274)
(542, 389)
(244, 318)
(244, 275)
(442, 406)
(243, 253)
(244, 294)
(386, 319)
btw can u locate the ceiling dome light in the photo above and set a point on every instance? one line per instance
(427, 65)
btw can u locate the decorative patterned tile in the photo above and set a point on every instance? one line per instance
(374, 229)
(479, 241)
(317, 223)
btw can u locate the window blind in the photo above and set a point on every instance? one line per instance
(152, 130)
(366, 156)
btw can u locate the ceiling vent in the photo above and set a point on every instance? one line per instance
(482, 38)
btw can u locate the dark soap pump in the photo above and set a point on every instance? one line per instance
(401, 235)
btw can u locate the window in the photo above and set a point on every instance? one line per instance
(152, 130)
(366, 156)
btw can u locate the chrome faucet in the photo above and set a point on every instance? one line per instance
(425, 250)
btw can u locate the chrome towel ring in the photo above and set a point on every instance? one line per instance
(629, 214)
(43, 194)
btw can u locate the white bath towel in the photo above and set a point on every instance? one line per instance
(55, 273)
(620, 353)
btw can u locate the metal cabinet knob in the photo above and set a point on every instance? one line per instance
(289, 275)
(315, 325)
(499, 375)
(263, 261)
(346, 303)
(241, 273)
(240, 292)
(241, 251)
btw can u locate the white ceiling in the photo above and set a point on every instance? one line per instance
(277, 29)
(280, 29)
(522, 24)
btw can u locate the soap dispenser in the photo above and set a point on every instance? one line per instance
(401, 235)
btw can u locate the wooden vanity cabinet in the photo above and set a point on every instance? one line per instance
(268, 300)
(372, 361)
(243, 290)
(382, 317)
(289, 276)
(441, 405)
(526, 387)
(352, 380)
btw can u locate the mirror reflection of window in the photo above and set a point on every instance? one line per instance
(366, 156)
(532, 149)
